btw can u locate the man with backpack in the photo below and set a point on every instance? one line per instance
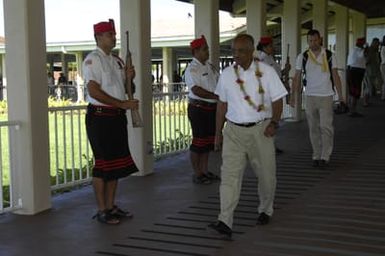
(320, 81)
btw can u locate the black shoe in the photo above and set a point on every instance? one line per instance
(220, 228)
(323, 163)
(278, 151)
(211, 176)
(263, 219)
(202, 179)
(316, 163)
(355, 114)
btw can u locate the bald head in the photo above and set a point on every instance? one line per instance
(243, 49)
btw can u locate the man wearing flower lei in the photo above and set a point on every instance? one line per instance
(201, 79)
(250, 100)
(319, 94)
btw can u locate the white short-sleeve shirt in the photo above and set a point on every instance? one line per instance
(269, 60)
(203, 75)
(238, 109)
(356, 58)
(107, 71)
(318, 82)
(383, 54)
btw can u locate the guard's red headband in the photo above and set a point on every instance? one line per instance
(360, 41)
(265, 40)
(104, 26)
(199, 42)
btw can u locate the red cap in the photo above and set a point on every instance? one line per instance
(104, 26)
(361, 41)
(265, 40)
(199, 42)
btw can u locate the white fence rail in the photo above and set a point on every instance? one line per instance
(9, 200)
(70, 154)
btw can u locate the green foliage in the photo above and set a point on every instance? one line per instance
(3, 107)
(181, 142)
(175, 107)
(6, 196)
(71, 175)
(53, 102)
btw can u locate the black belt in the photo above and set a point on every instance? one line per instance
(105, 110)
(247, 125)
(201, 102)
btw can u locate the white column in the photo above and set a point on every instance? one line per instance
(207, 24)
(79, 76)
(27, 102)
(291, 35)
(136, 14)
(320, 15)
(342, 38)
(3, 78)
(358, 27)
(256, 18)
(167, 57)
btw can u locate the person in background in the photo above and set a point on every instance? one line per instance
(265, 53)
(355, 74)
(201, 79)
(320, 89)
(373, 73)
(383, 68)
(62, 79)
(250, 102)
(106, 121)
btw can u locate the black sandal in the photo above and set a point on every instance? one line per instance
(119, 213)
(106, 217)
(212, 176)
(202, 179)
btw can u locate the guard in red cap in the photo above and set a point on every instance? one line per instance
(106, 122)
(201, 79)
(355, 74)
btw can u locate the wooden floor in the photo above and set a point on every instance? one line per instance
(339, 210)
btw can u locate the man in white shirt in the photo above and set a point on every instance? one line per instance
(250, 100)
(355, 74)
(320, 70)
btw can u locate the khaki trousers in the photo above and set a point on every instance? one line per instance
(242, 144)
(319, 114)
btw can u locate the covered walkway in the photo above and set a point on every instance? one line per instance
(339, 210)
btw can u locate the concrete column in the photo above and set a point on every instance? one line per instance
(342, 39)
(167, 67)
(207, 24)
(64, 68)
(291, 36)
(27, 103)
(79, 75)
(358, 27)
(256, 18)
(320, 15)
(136, 14)
(3, 78)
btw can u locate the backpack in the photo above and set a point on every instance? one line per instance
(304, 60)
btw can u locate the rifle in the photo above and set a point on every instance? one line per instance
(285, 74)
(135, 116)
